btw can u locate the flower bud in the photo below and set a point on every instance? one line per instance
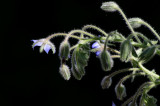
(64, 52)
(120, 91)
(135, 22)
(65, 72)
(109, 6)
(147, 54)
(125, 50)
(106, 60)
(106, 82)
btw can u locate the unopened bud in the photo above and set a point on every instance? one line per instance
(125, 50)
(64, 52)
(135, 22)
(120, 91)
(106, 82)
(106, 60)
(147, 54)
(65, 72)
(109, 6)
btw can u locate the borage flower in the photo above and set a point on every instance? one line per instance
(45, 45)
(97, 46)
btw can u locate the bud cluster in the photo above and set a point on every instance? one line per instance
(136, 51)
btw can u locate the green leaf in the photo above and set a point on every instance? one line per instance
(79, 60)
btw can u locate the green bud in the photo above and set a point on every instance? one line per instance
(125, 50)
(64, 52)
(120, 91)
(106, 82)
(147, 54)
(106, 60)
(64, 71)
(109, 6)
(135, 22)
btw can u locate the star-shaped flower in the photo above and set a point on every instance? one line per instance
(45, 45)
(96, 45)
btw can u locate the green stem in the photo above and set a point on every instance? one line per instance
(152, 30)
(106, 42)
(123, 70)
(140, 90)
(94, 27)
(147, 71)
(61, 34)
(84, 41)
(137, 94)
(128, 76)
(130, 27)
(115, 56)
(78, 31)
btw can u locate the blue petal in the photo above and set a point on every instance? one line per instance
(113, 104)
(34, 41)
(47, 48)
(99, 35)
(98, 52)
(37, 44)
(95, 45)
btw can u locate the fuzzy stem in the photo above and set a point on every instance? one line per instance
(128, 76)
(106, 42)
(140, 90)
(130, 27)
(94, 27)
(61, 34)
(138, 94)
(123, 70)
(78, 31)
(115, 56)
(152, 30)
(147, 71)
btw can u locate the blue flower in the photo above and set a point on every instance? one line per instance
(113, 104)
(96, 45)
(45, 45)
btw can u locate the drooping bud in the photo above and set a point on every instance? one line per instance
(147, 54)
(125, 50)
(65, 72)
(64, 52)
(135, 22)
(106, 82)
(106, 60)
(120, 91)
(109, 6)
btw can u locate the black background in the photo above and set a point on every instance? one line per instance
(30, 78)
